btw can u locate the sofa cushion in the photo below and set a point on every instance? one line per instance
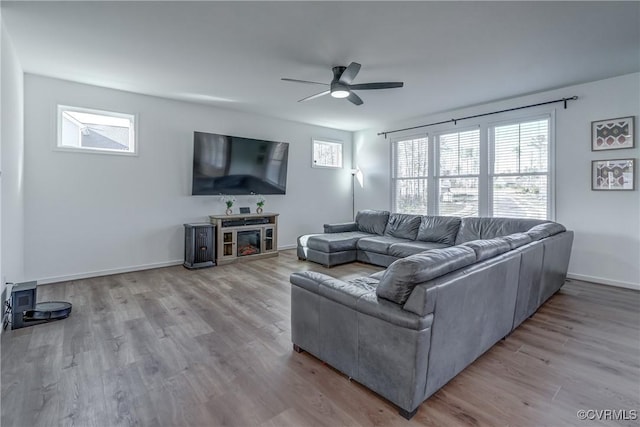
(516, 240)
(378, 244)
(371, 221)
(377, 275)
(405, 249)
(439, 229)
(545, 230)
(473, 228)
(346, 293)
(334, 242)
(341, 227)
(488, 248)
(404, 274)
(404, 226)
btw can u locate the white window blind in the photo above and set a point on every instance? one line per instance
(458, 173)
(410, 175)
(520, 169)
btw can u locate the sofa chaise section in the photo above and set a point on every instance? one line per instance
(381, 238)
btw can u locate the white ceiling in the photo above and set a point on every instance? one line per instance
(233, 54)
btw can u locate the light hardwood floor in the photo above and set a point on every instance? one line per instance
(173, 347)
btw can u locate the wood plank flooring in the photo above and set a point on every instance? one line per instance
(173, 347)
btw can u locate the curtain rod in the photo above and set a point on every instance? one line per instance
(455, 121)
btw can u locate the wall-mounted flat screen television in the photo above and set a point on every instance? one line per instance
(233, 165)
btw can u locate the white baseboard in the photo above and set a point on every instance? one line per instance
(604, 281)
(89, 274)
(285, 247)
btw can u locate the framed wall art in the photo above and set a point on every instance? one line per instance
(616, 174)
(612, 134)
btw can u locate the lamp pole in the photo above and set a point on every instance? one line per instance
(353, 193)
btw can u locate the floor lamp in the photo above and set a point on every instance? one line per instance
(354, 172)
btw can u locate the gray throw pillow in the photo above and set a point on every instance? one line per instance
(403, 226)
(370, 221)
(405, 274)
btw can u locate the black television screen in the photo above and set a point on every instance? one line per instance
(233, 165)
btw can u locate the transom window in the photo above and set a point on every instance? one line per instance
(493, 170)
(84, 129)
(327, 154)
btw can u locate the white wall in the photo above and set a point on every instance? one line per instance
(89, 214)
(606, 248)
(12, 164)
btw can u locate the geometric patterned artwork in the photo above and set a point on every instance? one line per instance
(613, 174)
(612, 134)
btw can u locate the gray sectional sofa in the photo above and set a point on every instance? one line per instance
(452, 289)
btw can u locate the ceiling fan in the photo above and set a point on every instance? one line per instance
(341, 87)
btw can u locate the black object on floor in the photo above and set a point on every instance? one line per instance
(50, 310)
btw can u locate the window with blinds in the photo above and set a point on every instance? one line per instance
(410, 176)
(458, 173)
(519, 170)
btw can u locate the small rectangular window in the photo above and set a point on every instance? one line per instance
(89, 130)
(327, 154)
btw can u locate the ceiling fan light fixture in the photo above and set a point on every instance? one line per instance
(339, 90)
(340, 93)
(341, 86)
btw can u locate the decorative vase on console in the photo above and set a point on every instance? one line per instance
(260, 202)
(228, 200)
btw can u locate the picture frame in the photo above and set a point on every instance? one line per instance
(245, 210)
(613, 175)
(613, 134)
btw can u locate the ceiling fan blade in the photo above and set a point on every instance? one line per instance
(354, 99)
(381, 85)
(317, 95)
(304, 81)
(350, 73)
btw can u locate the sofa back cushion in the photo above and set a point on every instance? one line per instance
(403, 275)
(439, 229)
(545, 230)
(404, 226)
(473, 228)
(516, 240)
(371, 221)
(488, 248)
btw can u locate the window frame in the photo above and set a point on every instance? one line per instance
(437, 176)
(485, 177)
(326, 141)
(133, 131)
(430, 166)
(550, 174)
